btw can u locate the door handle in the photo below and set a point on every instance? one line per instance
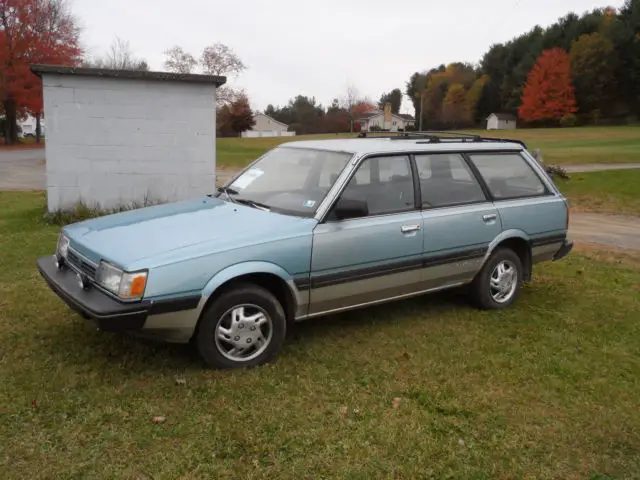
(409, 228)
(490, 217)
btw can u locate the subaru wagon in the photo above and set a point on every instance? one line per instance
(313, 228)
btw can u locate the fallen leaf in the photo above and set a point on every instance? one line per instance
(343, 411)
(34, 403)
(461, 442)
(159, 419)
(396, 402)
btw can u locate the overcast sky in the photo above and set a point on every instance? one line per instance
(316, 48)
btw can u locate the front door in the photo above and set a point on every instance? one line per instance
(364, 260)
(459, 220)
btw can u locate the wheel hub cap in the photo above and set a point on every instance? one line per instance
(243, 332)
(504, 280)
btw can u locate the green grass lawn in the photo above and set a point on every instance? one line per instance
(558, 145)
(547, 389)
(607, 192)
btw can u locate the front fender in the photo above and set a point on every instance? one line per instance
(245, 268)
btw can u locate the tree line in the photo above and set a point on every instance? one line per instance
(585, 69)
(304, 115)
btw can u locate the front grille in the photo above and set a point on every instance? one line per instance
(80, 264)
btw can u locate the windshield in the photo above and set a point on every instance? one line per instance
(292, 181)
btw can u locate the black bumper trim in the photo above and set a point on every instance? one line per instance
(547, 240)
(567, 246)
(105, 311)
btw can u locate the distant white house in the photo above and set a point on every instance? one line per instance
(267, 126)
(377, 120)
(501, 121)
(28, 126)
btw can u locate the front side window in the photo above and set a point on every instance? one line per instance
(508, 175)
(446, 179)
(384, 183)
(292, 181)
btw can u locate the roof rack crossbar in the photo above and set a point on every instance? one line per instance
(438, 136)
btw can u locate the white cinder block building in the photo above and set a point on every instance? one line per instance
(121, 137)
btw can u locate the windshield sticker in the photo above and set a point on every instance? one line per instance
(309, 203)
(247, 178)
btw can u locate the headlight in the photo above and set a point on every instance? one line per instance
(120, 283)
(62, 247)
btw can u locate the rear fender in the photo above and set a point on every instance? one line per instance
(506, 235)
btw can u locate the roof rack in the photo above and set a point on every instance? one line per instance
(437, 136)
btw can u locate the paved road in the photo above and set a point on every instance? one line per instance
(22, 169)
(598, 167)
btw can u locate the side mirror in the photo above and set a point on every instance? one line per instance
(350, 208)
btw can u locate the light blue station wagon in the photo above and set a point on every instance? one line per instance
(312, 228)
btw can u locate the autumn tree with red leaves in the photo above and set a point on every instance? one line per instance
(235, 117)
(31, 32)
(548, 94)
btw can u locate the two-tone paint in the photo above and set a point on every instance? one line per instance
(193, 249)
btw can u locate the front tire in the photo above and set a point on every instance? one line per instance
(497, 285)
(244, 327)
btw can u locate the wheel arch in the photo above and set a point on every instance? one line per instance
(267, 275)
(520, 243)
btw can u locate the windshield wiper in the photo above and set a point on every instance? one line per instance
(254, 204)
(228, 191)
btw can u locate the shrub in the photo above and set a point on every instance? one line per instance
(81, 211)
(569, 120)
(555, 171)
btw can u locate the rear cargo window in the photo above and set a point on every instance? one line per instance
(508, 175)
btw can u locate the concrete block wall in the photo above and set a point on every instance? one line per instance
(116, 141)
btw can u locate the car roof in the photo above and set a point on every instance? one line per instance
(364, 146)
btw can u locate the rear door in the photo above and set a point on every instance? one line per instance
(365, 260)
(460, 220)
(526, 202)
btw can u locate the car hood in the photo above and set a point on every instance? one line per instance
(128, 237)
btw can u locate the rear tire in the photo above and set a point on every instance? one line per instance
(244, 327)
(497, 285)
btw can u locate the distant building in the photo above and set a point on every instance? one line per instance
(28, 126)
(501, 121)
(267, 126)
(384, 120)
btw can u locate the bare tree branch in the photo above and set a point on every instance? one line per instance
(218, 59)
(349, 100)
(118, 57)
(179, 61)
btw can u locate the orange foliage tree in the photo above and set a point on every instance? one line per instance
(548, 94)
(362, 107)
(32, 31)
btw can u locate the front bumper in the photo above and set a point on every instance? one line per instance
(106, 312)
(565, 248)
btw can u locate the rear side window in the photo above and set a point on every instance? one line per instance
(508, 175)
(446, 179)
